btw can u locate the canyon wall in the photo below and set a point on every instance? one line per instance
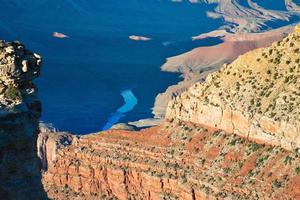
(20, 110)
(256, 96)
(172, 161)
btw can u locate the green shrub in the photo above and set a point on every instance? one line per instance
(270, 51)
(12, 93)
(254, 146)
(297, 170)
(226, 170)
(276, 184)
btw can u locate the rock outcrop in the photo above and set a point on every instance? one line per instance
(257, 96)
(175, 160)
(20, 110)
(249, 16)
(124, 126)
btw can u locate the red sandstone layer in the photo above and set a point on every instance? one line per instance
(171, 161)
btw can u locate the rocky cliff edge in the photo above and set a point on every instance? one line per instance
(257, 96)
(20, 110)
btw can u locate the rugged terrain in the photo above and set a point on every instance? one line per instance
(172, 161)
(246, 27)
(249, 16)
(20, 110)
(196, 64)
(256, 96)
(235, 136)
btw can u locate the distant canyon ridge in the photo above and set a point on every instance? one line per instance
(247, 26)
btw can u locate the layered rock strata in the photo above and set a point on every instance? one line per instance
(256, 96)
(172, 161)
(20, 110)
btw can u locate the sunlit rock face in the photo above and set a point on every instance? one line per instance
(20, 110)
(256, 96)
(174, 160)
(297, 29)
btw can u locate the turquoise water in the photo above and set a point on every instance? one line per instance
(83, 75)
(130, 102)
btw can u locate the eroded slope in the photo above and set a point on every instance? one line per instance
(256, 96)
(172, 161)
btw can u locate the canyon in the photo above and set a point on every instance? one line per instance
(234, 136)
(227, 131)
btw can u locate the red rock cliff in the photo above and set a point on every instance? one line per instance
(172, 161)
